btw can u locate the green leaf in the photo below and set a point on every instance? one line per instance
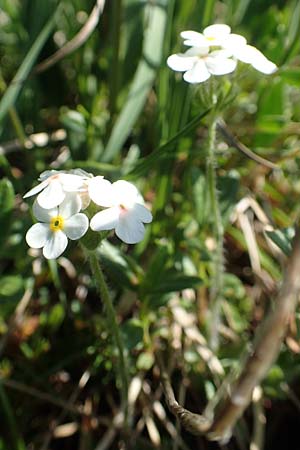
(145, 361)
(173, 282)
(10, 285)
(143, 79)
(7, 197)
(16, 85)
(132, 332)
(282, 238)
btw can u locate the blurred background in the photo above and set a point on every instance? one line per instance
(85, 84)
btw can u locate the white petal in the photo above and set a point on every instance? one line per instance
(129, 229)
(36, 189)
(234, 41)
(106, 219)
(142, 213)
(220, 66)
(256, 58)
(76, 226)
(197, 51)
(37, 235)
(101, 192)
(218, 30)
(56, 245)
(193, 39)
(42, 214)
(125, 193)
(180, 63)
(71, 182)
(198, 73)
(52, 195)
(70, 206)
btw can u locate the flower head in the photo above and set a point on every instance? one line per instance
(56, 184)
(216, 52)
(125, 212)
(56, 225)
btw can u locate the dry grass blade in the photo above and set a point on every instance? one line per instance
(79, 39)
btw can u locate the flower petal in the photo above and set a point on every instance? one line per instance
(234, 41)
(129, 229)
(217, 31)
(142, 213)
(55, 245)
(220, 65)
(52, 195)
(198, 73)
(36, 189)
(37, 235)
(76, 226)
(193, 39)
(101, 192)
(180, 63)
(70, 206)
(42, 214)
(256, 58)
(106, 219)
(71, 182)
(125, 193)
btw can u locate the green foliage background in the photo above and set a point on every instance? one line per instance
(114, 108)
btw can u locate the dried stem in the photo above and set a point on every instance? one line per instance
(266, 348)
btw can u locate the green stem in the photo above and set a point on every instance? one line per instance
(114, 328)
(218, 269)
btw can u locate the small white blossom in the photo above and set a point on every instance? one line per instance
(125, 212)
(216, 52)
(56, 226)
(56, 184)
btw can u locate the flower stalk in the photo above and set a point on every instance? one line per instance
(114, 328)
(218, 232)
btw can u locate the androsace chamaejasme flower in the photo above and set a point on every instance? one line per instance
(56, 184)
(56, 225)
(216, 52)
(125, 210)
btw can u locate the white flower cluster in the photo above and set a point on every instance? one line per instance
(216, 52)
(61, 197)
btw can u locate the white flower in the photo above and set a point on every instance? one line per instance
(125, 212)
(215, 52)
(56, 184)
(199, 63)
(56, 226)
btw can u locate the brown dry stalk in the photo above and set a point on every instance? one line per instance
(266, 348)
(79, 39)
(234, 142)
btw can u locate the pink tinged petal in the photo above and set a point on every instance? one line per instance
(130, 229)
(197, 74)
(106, 220)
(218, 30)
(220, 66)
(52, 196)
(180, 62)
(36, 189)
(56, 245)
(38, 235)
(48, 173)
(70, 206)
(142, 213)
(76, 226)
(101, 192)
(42, 214)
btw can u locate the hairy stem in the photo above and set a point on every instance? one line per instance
(217, 278)
(114, 328)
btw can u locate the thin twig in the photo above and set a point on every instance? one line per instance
(234, 142)
(267, 345)
(79, 39)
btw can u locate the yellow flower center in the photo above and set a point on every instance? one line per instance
(210, 38)
(57, 223)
